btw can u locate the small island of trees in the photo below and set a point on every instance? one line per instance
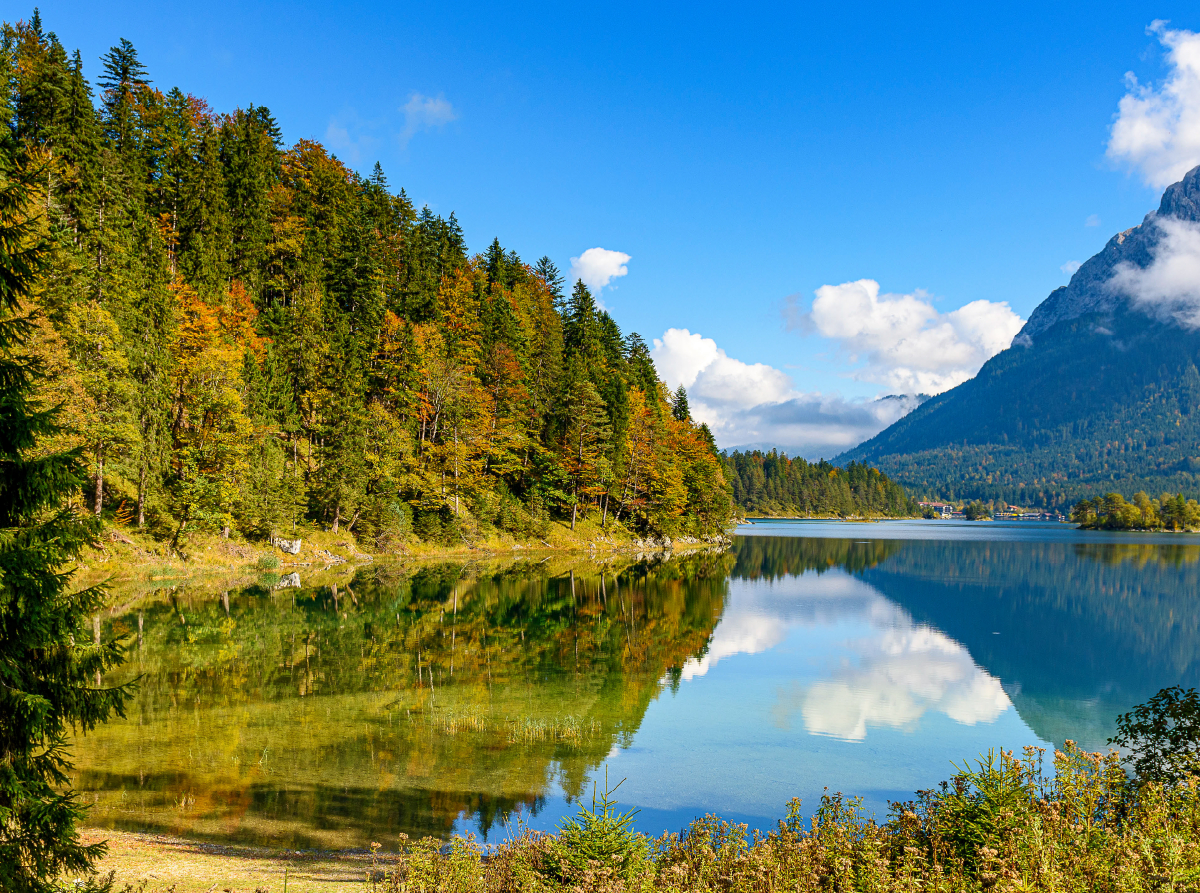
(1112, 512)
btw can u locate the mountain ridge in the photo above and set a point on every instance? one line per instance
(1097, 393)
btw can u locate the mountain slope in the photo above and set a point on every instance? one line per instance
(1098, 393)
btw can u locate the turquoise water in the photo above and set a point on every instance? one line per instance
(862, 658)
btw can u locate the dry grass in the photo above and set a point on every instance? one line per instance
(126, 557)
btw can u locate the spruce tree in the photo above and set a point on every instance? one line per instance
(48, 678)
(679, 405)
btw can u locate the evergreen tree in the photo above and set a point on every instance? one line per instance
(47, 675)
(246, 335)
(548, 273)
(679, 405)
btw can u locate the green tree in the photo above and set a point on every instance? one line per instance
(47, 674)
(1162, 735)
(679, 405)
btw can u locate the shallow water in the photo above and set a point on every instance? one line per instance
(860, 657)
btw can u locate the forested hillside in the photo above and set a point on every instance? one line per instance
(773, 484)
(247, 336)
(1097, 394)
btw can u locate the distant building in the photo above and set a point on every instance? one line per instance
(943, 509)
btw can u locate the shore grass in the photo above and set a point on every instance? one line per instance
(127, 558)
(1003, 825)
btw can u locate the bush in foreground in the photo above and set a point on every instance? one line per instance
(1004, 825)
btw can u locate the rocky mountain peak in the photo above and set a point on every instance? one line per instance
(1089, 291)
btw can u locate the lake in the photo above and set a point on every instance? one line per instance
(442, 699)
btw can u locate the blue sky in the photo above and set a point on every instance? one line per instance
(742, 157)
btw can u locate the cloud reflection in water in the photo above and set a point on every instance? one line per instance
(890, 677)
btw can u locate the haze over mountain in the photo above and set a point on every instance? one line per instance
(1098, 392)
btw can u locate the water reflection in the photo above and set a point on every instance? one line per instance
(393, 702)
(422, 701)
(902, 673)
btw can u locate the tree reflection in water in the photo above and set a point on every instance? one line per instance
(417, 701)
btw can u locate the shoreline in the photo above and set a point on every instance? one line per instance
(159, 862)
(126, 559)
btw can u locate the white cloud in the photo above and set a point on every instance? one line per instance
(737, 633)
(903, 339)
(425, 113)
(1157, 128)
(756, 404)
(1169, 287)
(1092, 220)
(1070, 267)
(597, 267)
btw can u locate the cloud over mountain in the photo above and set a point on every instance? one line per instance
(1157, 127)
(1169, 287)
(904, 342)
(754, 403)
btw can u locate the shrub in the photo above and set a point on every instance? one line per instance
(1162, 736)
(1001, 824)
(599, 840)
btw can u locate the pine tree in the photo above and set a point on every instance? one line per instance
(46, 675)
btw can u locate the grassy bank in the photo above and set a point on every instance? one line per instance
(1002, 825)
(126, 557)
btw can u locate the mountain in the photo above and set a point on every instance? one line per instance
(1098, 393)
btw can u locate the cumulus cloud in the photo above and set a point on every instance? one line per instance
(754, 404)
(756, 619)
(1070, 267)
(1169, 287)
(1092, 220)
(597, 267)
(1157, 127)
(425, 113)
(904, 341)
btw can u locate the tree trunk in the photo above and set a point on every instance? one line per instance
(98, 505)
(141, 499)
(574, 511)
(337, 516)
(604, 510)
(96, 641)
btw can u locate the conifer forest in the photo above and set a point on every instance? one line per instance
(245, 336)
